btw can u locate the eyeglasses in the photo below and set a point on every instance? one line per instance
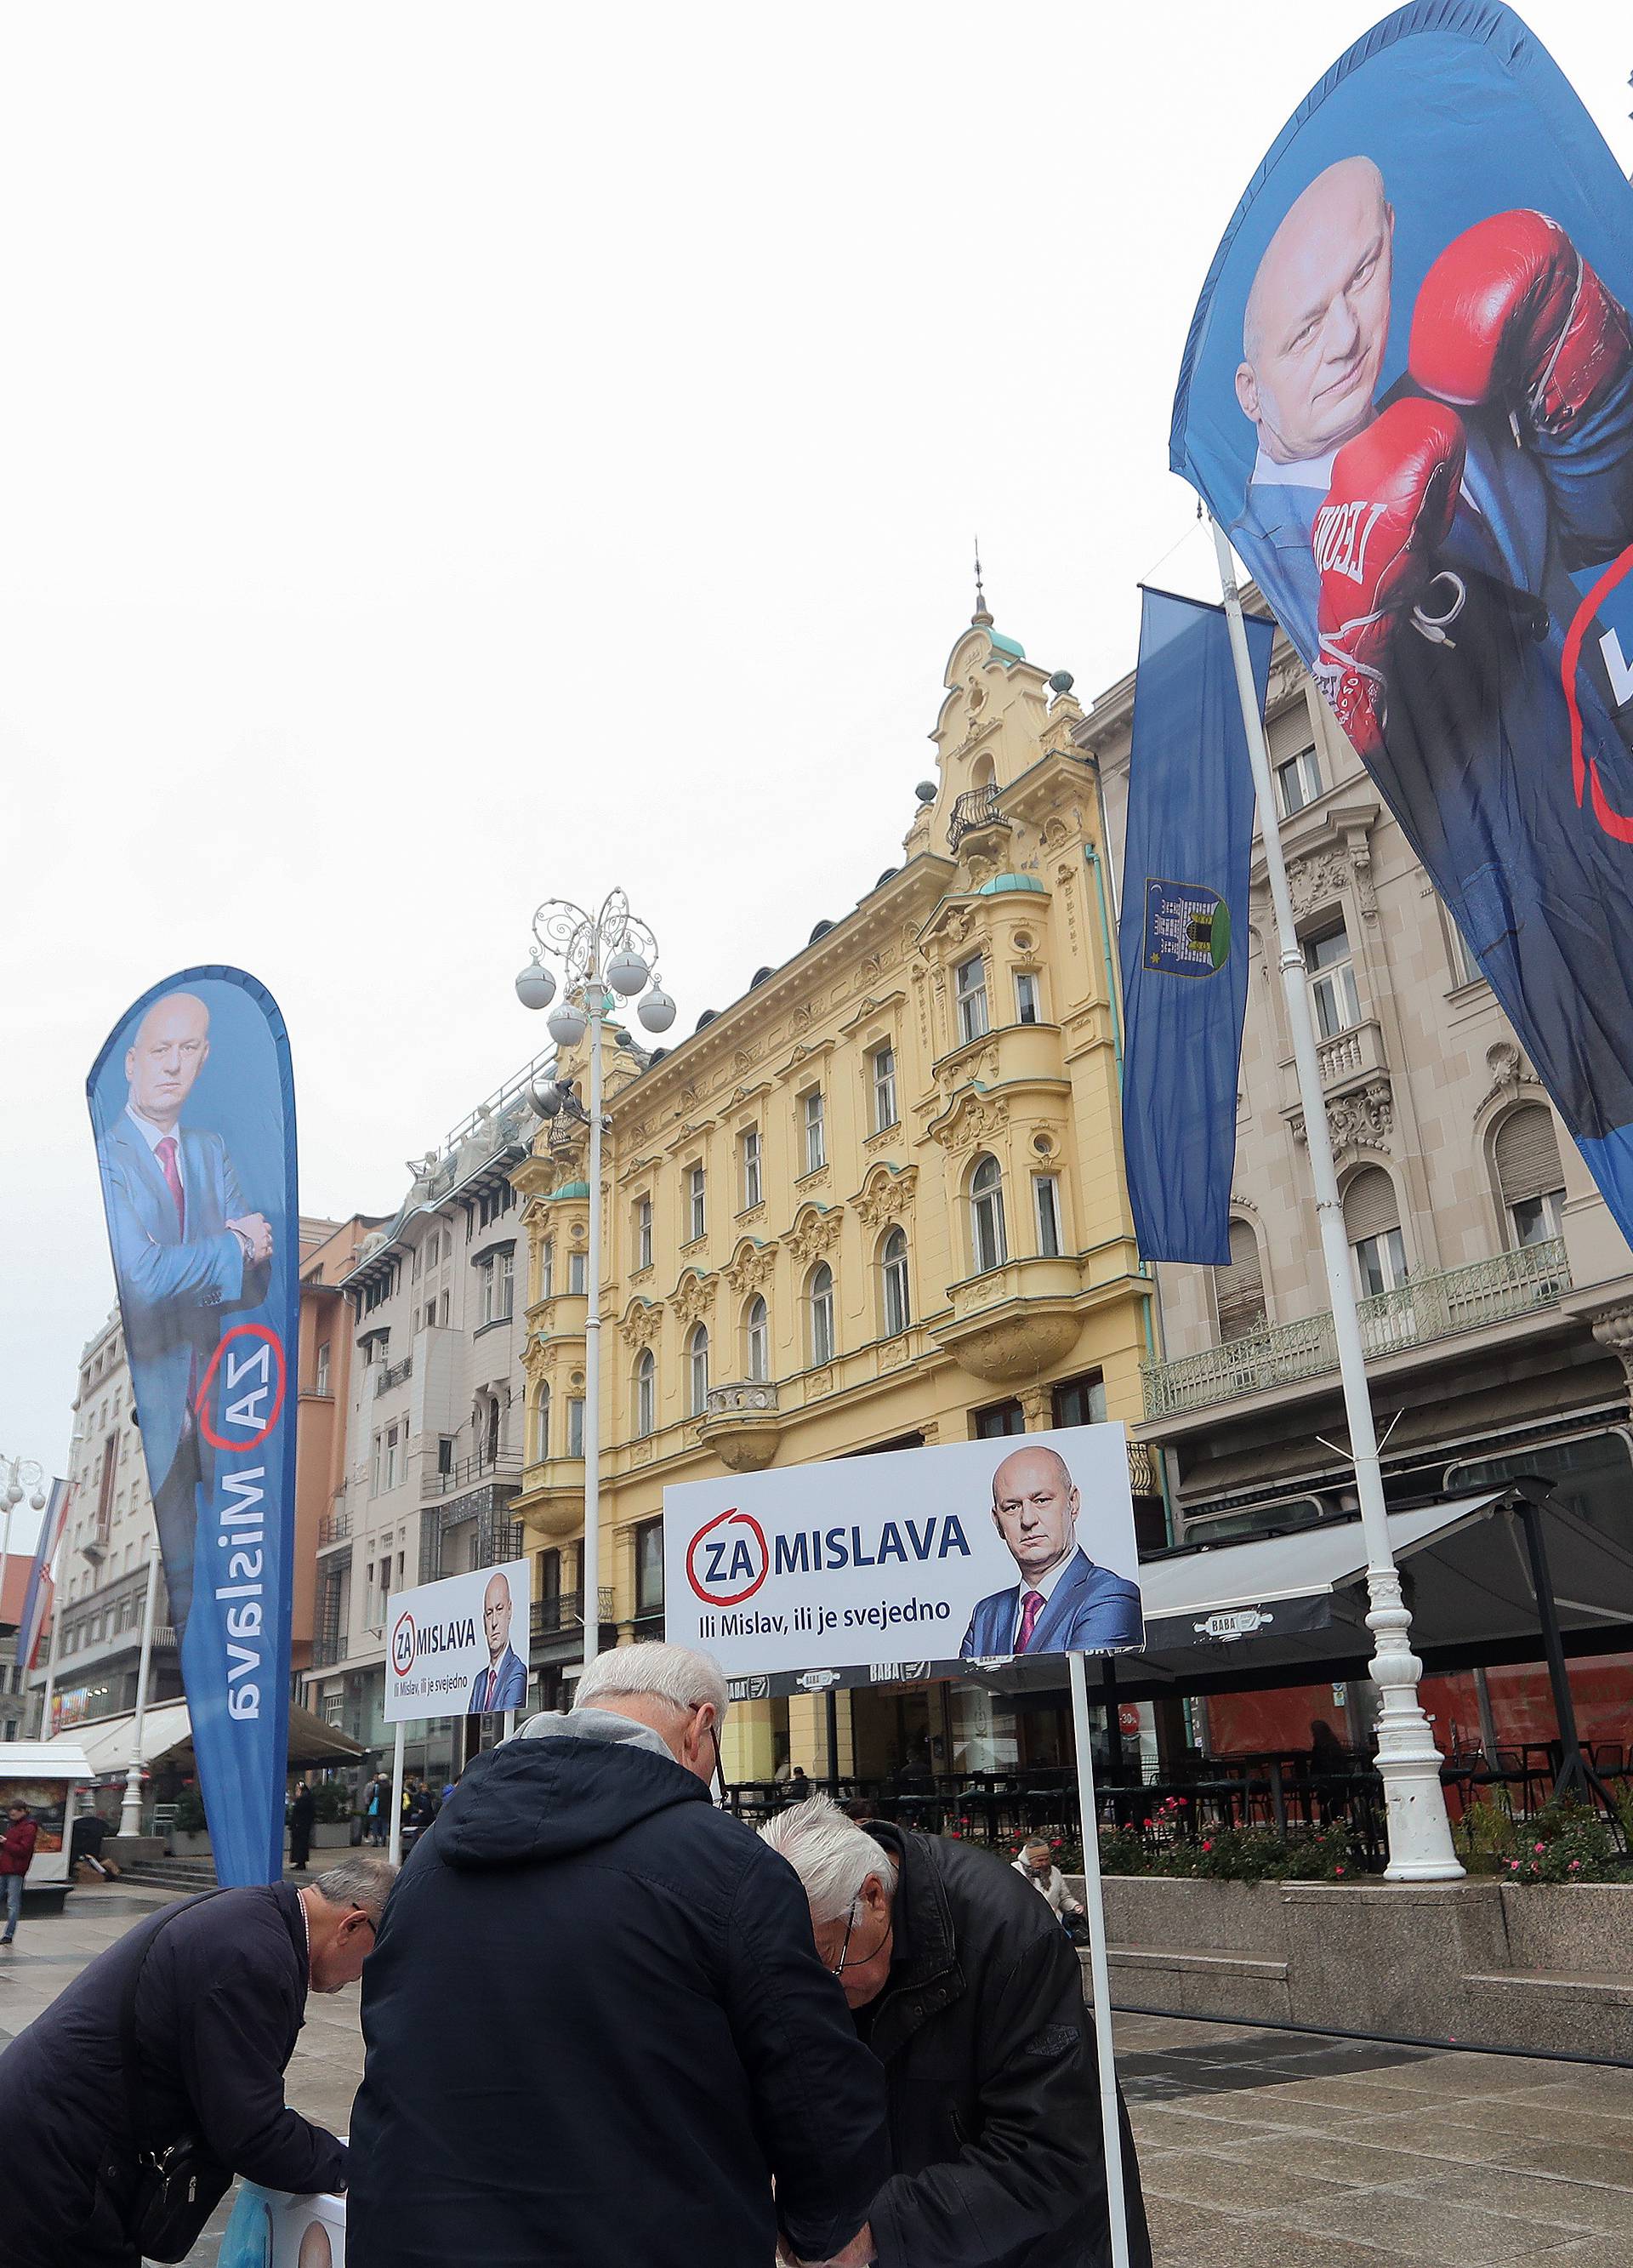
(838, 1968)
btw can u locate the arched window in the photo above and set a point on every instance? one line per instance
(1238, 1290)
(989, 1242)
(893, 1266)
(541, 1425)
(821, 1298)
(697, 1371)
(1529, 1174)
(757, 1341)
(645, 1394)
(1372, 1224)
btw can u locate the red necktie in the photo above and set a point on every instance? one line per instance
(166, 1152)
(1032, 1607)
(493, 1679)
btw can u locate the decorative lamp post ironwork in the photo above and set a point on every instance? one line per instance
(605, 956)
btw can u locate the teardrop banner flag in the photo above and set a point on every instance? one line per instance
(1408, 396)
(193, 1105)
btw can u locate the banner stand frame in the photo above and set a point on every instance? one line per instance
(394, 1852)
(1099, 1970)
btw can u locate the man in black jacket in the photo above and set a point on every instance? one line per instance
(964, 1986)
(219, 2005)
(597, 2029)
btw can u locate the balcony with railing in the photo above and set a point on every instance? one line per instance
(1439, 1305)
(388, 1374)
(562, 1614)
(975, 811)
(333, 1527)
(469, 1472)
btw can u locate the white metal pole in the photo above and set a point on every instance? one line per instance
(14, 1671)
(592, 1555)
(130, 1811)
(1419, 1832)
(510, 1724)
(1099, 1970)
(44, 1705)
(395, 1851)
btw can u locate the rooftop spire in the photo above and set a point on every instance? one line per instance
(980, 619)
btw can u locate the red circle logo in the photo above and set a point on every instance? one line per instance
(251, 1375)
(402, 1644)
(727, 1561)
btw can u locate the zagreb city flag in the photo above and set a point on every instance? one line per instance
(1408, 396)
(37, 1597)
(1183, 937)
(192, 1103)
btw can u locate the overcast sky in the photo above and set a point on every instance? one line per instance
(460, 456)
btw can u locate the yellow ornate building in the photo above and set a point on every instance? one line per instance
(875, 1202)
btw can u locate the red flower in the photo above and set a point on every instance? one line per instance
(1337, 1870)
(1207, 1846)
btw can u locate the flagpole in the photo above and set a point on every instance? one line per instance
(1419, 1832)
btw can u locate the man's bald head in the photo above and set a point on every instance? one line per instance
(1317, 319)
(171, 1048)
(496, 1615)
(1034, 1509)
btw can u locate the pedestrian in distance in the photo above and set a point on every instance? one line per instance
(374, 1797)
(1036, 1865)
(798, 1786)
(17, 1852)
(302, 1812)
(178, 2035)
(86, 1838)
(581, 1907)
(966, 1990)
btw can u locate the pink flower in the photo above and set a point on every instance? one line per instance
(1181, 1801)
(1514, 1865)
(1536, 1846)
(1337, 1870)
(1576, 1865)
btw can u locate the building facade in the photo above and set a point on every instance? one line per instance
(874, 1202)
(1497, 1293)
(426, 1454)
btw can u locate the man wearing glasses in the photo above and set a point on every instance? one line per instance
(597, 2030)
(961, 1983)
(216, 1991)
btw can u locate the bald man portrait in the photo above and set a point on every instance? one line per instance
(1064, 1603)
(188, 1250)
(1427, 549)
(503, 1683)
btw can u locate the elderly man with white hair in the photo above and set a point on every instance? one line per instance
(599, 2032)
(964, 1986)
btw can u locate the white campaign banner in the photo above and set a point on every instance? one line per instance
(910, 1563)
(450, 1650)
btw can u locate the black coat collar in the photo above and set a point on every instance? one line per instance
(929, 1978)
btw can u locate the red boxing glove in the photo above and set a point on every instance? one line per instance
(1511, 311)
(1390, 507)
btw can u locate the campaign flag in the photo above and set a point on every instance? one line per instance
(37, 1597)
(1408, 396)
(193, 1104)
(1183, 938)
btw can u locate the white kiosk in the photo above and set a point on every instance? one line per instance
(43, 1774)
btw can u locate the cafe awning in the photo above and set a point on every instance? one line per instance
(167, 1733)
(1290, 1609)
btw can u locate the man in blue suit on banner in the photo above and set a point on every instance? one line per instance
(1063, 1604)
(187, 1250)
(503, 1683)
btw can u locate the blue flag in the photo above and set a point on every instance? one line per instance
(193, 1105)
(1407, 394)
(1183, 938)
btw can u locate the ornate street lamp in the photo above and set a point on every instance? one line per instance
(602, 954)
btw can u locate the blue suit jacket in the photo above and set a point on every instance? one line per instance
(511, 1690)
(172, 1290)
(1090, 1610)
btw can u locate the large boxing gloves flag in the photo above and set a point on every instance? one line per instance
(1407, 394)
(192, 1103)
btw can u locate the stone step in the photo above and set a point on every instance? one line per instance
(172, 1874)
(1614, 1988)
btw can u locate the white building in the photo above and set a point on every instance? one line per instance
(434, 1446)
